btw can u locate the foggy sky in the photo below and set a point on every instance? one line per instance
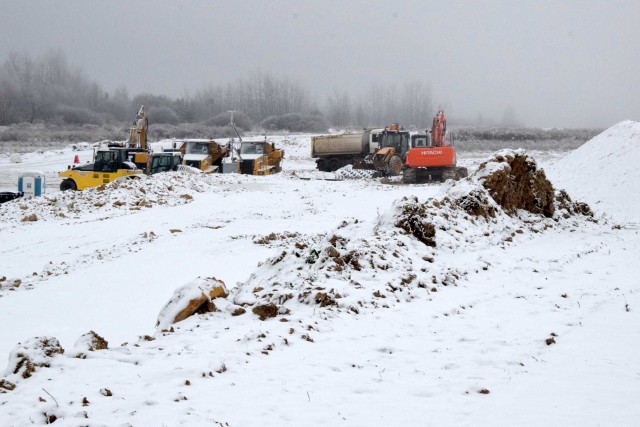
(556, 63)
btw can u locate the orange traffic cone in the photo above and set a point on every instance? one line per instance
(76, 159)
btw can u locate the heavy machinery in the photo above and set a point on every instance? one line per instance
(109, 164)
(204, 154)
(163, 161)
(260, 158)
(380, 149)
(434, 157)
(257, 157)
(336, 151)
(7, 196)
(116, 161)
(125, 160)
(388, 160)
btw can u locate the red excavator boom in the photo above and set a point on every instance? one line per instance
(439, 130)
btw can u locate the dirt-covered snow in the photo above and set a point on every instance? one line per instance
(495, 300)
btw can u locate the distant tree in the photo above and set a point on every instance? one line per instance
(77, 115)
(339, 108)
(151, 100)
(41, 88)
(185, 109)
(162, 114)
(118, 106)
(295, 123)
(241, 120)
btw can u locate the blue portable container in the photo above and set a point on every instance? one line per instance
(31, 183)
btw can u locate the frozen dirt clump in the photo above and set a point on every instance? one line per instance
(91, 341)
(265, 311)
(567, 207)
(195, 297)
(34, 353)
(514, 181)
(6, 386)
(411, 219)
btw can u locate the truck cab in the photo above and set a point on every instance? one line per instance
(164, 162)
(204, 154)
(260, 158)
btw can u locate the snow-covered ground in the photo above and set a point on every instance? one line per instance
(512, 319)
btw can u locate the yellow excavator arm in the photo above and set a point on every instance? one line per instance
(138, 131)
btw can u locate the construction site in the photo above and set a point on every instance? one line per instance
(301, 213)
(317, 267)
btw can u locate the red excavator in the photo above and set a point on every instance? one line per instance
(432, 158)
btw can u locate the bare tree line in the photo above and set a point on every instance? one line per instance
(48, 89)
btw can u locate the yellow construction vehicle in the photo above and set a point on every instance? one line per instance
(163, 161)
(252, 157)
(118, 161)
(260, 158)
(203, 154)
(109, 164)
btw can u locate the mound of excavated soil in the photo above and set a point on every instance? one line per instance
(604, 172)
(365, 266)
(168, 189)
(515, 182)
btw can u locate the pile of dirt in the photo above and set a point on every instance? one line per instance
(514, 181)
(90, 341)
(34, 353)
(411, 220)
(170, 189)
(195, 297)
(362, 266)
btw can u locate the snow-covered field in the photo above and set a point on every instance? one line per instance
(497, 319)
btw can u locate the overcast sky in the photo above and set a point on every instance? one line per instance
(556, 63)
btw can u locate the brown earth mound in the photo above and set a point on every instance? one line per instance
(568, 207)
(196, 297)
(518, 183)
(34, 353)
(96, 342)
(265, 311)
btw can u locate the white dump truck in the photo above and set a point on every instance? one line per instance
(335, 151)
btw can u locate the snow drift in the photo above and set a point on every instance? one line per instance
(604, 172)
